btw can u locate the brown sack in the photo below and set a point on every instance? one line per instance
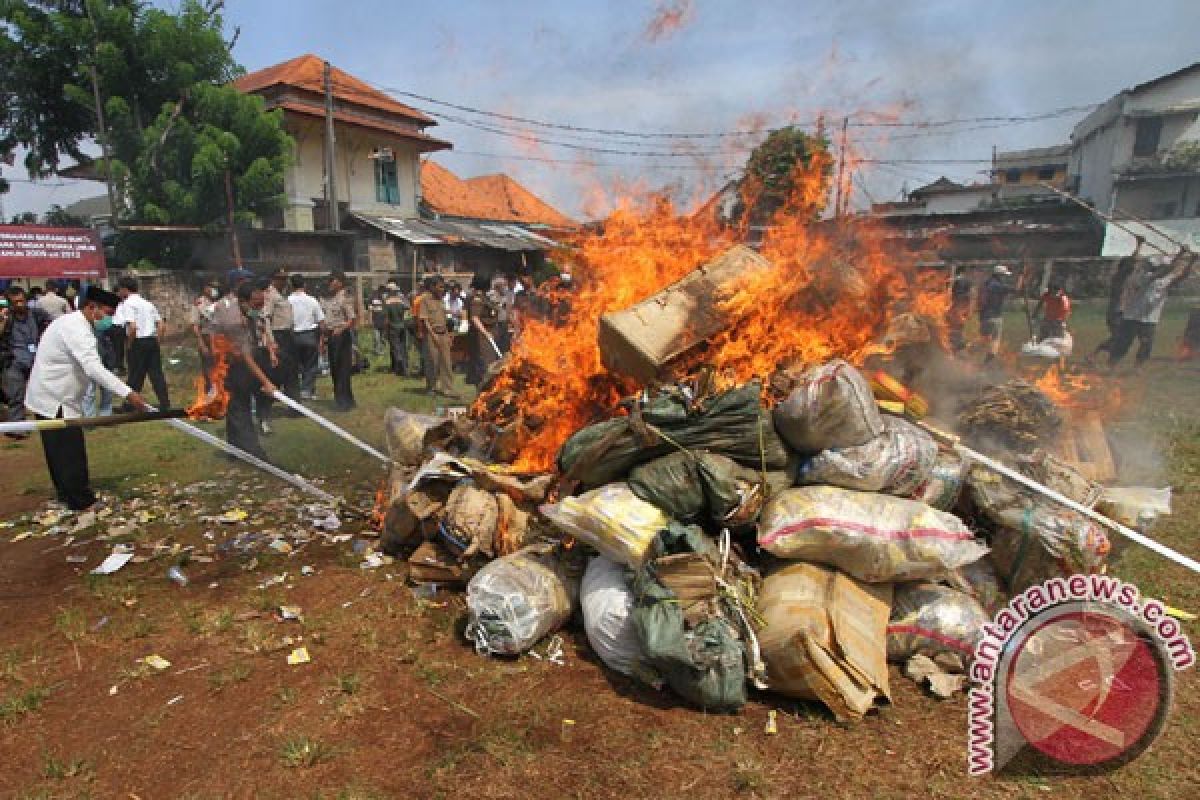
(826, 637)
(408, 434)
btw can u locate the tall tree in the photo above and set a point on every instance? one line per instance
(157, 74)
(790, 167)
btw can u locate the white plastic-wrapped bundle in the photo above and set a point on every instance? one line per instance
(832, 406)
(874, 537)
(935, 621)
(898, 461)
(607, 602)
(514, 601)
(611, 519)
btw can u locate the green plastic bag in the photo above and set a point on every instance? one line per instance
(730, 423)
(705, 665)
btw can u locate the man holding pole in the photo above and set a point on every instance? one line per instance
(1142, 305)
(67, 361)
(244, 328)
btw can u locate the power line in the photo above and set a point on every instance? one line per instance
(588, 163)
(869, 123)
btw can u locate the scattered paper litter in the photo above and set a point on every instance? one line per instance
(299, 656)
(155, 661)
(114, 562)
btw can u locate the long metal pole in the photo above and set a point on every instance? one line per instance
(31, 425)
(294, 480)
(1112, 221)
(1046, 491)
(331, 427)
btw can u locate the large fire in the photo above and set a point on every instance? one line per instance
(831, 291)
(212, 400)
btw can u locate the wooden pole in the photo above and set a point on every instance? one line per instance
(837, 201)
(331, 195)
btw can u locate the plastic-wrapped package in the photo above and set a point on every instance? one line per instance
(408, 434)
(612, 519)
(935, 621)
(514, 601)
(979, 580)
(1135, 506)
(942, 488)
(607, 601)
(831, 407)
(874, 537)
(1034, 539)
(898, 461)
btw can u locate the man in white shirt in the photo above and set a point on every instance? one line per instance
(144, 326)
(1142, 304)
(307, 322)
(67, 361)
(53, 304)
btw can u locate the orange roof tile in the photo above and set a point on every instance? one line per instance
(307, 72)
(489, 197)
(425, 142)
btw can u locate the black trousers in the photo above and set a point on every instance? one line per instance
(116, 335)
(66, 458)
(398, 347)
(145, 360)
(1133, 329)
(263, 402)
(287, 375)
(341, 365)
(239, 421)
(307, 349)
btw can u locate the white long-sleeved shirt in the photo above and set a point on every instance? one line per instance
(141, 312)
(67, 361)
(306, 311)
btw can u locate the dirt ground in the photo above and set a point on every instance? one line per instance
(395, 703)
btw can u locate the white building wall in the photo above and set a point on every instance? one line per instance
(355, 171)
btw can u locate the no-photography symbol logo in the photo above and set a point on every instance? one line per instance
(1085, 687)
(1074, 675)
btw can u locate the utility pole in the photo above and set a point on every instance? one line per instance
(103, 132)
(330, 160)
(233, 237)
(837, 201)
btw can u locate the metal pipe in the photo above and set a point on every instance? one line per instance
(294, 480)
(1112, 221)
(31, 425)
(1046, 491)
(329, 426)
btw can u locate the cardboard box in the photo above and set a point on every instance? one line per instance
(826, 637)
(639, 341)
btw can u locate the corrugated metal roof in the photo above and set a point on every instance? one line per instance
(457, 232)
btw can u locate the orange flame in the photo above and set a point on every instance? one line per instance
(831, 290)
(210, 403)
(1079, 391)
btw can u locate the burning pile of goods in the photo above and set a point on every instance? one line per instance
(727, 502)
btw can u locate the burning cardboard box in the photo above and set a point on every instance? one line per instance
(641, 340)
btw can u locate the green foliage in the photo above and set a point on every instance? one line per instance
(173, 125)
(57, 215)
(1184, 156)
(773, 172)
(179, 173)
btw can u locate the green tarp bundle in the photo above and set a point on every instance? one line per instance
(730, 423)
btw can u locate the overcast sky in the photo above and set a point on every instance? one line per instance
(648, 66)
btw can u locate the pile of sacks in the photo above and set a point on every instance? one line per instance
(712, 545)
